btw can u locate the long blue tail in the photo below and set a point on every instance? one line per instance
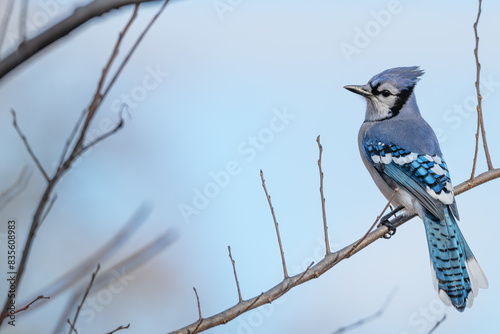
(456, 272)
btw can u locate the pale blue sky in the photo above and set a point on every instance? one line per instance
(247, 89)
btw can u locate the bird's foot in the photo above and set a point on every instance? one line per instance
(384, 221)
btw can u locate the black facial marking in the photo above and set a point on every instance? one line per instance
(402, 98)
(375, 89)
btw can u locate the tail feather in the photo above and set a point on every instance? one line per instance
(455, 270)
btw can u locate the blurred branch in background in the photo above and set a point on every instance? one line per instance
(17, 187)
(79, 146)
(372, 317)
(74, 275)
(119, 270)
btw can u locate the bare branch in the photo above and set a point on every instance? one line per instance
(119, 329)
(80, 16)
(480, 122)
(16, 188)
(235, 276)
(285, 273)
(372, 317)
(329, 261)
(73, 324)
(325, 226)
(27, 145)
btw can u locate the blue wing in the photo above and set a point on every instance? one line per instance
(423, 176)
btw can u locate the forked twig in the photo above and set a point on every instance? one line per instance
(285, 272)
(235, 276)
(325, 226)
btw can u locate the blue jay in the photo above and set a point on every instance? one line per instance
(400, 150)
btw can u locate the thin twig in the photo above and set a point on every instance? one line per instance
(372, 317)
(27, 145)
(104, 136)
(235, 276)
(119, 329)
(437, 324)
(73, 324)
(285, 272)
(480, 121)
(200, 318)
(28, 306)
(325, 226)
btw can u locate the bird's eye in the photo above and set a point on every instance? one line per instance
(386, 93)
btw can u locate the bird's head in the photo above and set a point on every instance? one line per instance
(387, 92)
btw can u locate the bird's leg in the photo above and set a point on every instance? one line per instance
(384, 221)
